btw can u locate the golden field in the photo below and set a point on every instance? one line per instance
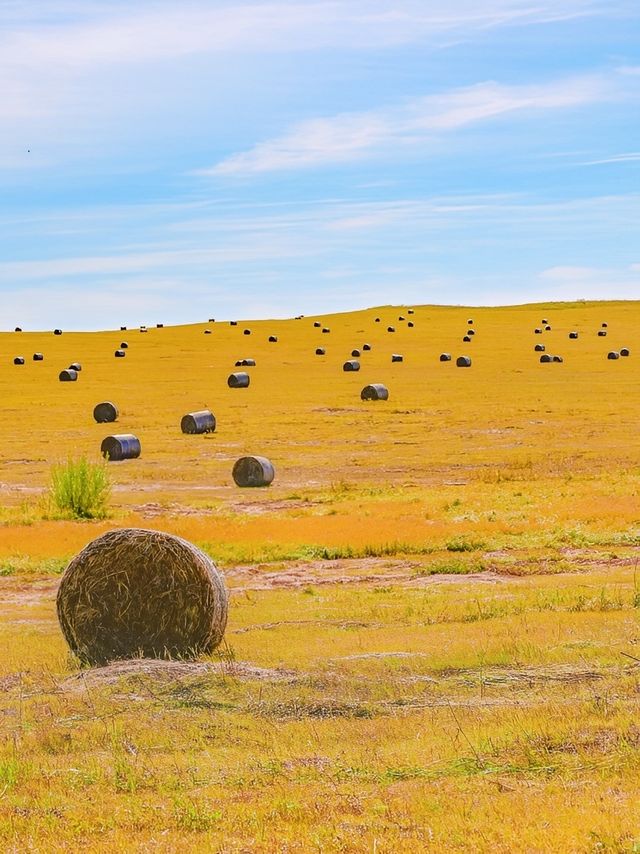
(433, 634)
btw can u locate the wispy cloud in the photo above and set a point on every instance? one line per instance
(346, 137)
(615, 158)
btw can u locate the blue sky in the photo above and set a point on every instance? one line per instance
(173, 162)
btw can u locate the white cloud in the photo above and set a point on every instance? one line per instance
(350, 136)
(631, 157)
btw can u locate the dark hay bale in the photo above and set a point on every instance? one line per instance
(547, 329)
(316, 324)
(377, 320)
(123, 446)
(602, 333)
(75, 366)
(366, 346)
(320, 351)
(391, 329)
(273, 339)
(123, 329)
(238, 380)
(604, 325)
(558, 359)
(233, 323)
(202, 421)
(470, 322)
(546, 358)
(573, 335)
(467, 338)
(19, 360)
(613, 354)
(211, 320)
(445, 357)
(351, 365)
(248, 363)
(123, 345)
(410, 311)
(253, 471)
(143, 329)
(355, 353)
(106, 412)
(119, 354)
(397, 357)
(18, 329)
(246, 332)
(539, 348)
(375, 391)
(471, 331)
(207, 332)
(133, 593)
(400, 317)
(159, 325)
(624, 351)
(544, 321)
(463, 362)
(68, 376)
(38, 357)
(537, 330)
(326, 330)
(410, 324)
(57, 331)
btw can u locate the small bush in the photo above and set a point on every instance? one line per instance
(80, 488)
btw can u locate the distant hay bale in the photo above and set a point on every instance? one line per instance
(246, 332)
(233, 323)
(624, 351)
(38, 357)
(253, 471)
(75, 366)
(207, 332)
(57, 331)
(546, 358)
(411, 324)
(391, 329)
(547, 329)
(211, 320)
(119, 354)
(143, 329)
(445, 357)
(248, 363)
(410, 311)
(68, 376)
(18, 329)
(326, 330)
(18, 360)
(159, 325)
(604, 325)
(397, 357)
(123, 345)
(355, 353)
(123, 329)
(471, 331)
(351, 365)
(602, 333)
(105, 412)
(613, 354)
(544, 321)
(467, 338)
(201, 421)
(122, 446)
(573, 335)
(463, 362)
(238, 380)
(539, 348)
(401, 317)
(558, 359)
(133, 593)
(366, 346)
(316, 324)
(320, 351)
(377, 320)
(470, 321)
(273, 339)
(375, 391)
(537, 331)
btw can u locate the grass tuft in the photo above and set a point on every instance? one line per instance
(80, 489)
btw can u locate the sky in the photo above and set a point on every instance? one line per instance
(171, 162)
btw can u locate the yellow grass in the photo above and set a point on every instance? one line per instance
(433, 630)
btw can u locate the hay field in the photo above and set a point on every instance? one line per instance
(433, 629)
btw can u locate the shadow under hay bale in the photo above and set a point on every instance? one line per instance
(613, 354)
(146, 594)
(253, 471)
(539, 348)
(239, 380)
(320, 351)
(445, 357)
(105, 412)
(351, 365)
(202, 421)
(463, 362)
(375, 391)
(38, 357)
(123, 446)
(397, 357)
(624, 351)
(19, 360)
(68, 376)
(119, 354)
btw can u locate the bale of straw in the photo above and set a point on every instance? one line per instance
(124, 345)
(539, 348)
(397, 357)
(544, 321)
(75, 366)
(410, 311)
(445, 357)
(143, 329)
(391, 329)
(573, 335)
(546, 358)
(602, 333)
(207, 332)
(604, 325)
(320, 351)
(375, 391)
(411, 324)
(466, 338)
(105, 412)
(123, 329)
(38, 357)
(547, 329)
(159, 325)
(400, 317)
(248, 363)
(68, 376)
(470, 322)
(463, 362)
(471, 331)
(316, 324)
(537, 331)
(238, 380)
(355, 353)
(253, 471)
(19, 360)
(558, 359)
(246, 332)
(119, 354)
(233, 323)
(377, 320)
(202, 421)
(57, 331)
(326, 330)
(366, 346)
(18, 329)
(133, 593)
(624, 351)
(123, 446)
(212, 320)
(613, 354)
(273, 339)
(351, 365)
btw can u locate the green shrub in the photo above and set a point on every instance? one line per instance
(80, 488)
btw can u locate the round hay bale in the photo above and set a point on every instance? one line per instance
(202, 421)
(351, 365)
(233, 323)
(463, 362)
(602, 333)
(105, 412)
(547, 329)
(624, 351)
(207, 332)
(75, 366)
(397, 357)
(604, 325)
(391, 329)
(558, 359)
(573, 335)
(119, 354)
(211, 320)
(410, 311)
(123, 329)
(537, 331)
(410, 324)
(19, 360)
(253, 471)
(248, 363)
(133, 593)
(246, 332)
(467, 338)
(273, 339)
(159, 325)
(57, 331)
(326, 330)
(143, 329)
(400, 317)
(238, 380)
(546, 358)
(539, 348)
(366, 346)
(18, 329)
(316, 324)
(445, 357)
(613, 354)
(375, 391)
(320, 351)
(470, 322)
(544, 321)
(38, 357)
(377, 320)
(68, 376)
(124, 345)
(355, 353)
(123, 446)
(471, 331)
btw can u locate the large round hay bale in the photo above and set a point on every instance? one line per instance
(207, 332)
(239, 380)
(547, 329)
(604, 325)
(471, 331)
(537, 331)
(233, 323)
(391, 329)
(410, 311)
(246, 332)
(273, 339)
(105, 412)
(410, 324)
(159, 325)
(246, 363)
(18, 329)
(463, 362)
(558, 359)
(326, 330)
(202, 421)
(445, 357)
(375, 391)
(470, 322)
(466, 338)
(68, 376)
(124, 446)
(624, 351)
(253, 471)
(351, 365)
(123, 329)
(134, 593)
